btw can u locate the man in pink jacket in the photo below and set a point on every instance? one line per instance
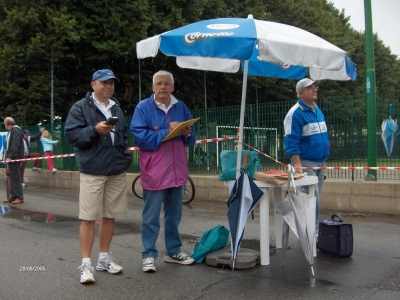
(163, 168)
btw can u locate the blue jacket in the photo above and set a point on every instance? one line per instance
(48, 144)
(96, 153)
(162, 164)
(306, 133)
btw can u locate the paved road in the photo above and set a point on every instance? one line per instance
(373, 272)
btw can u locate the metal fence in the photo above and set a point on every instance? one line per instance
(263, 130)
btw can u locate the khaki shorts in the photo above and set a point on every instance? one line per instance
(102, 196)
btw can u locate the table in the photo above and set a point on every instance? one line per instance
(264, 212)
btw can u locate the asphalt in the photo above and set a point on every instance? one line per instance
(43, 232)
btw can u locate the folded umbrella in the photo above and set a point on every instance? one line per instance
(244, 195)
(298, 211)
(390, 129)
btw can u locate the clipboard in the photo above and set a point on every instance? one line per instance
(177, 130)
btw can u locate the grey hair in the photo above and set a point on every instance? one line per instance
(163, 73)
(9, 121)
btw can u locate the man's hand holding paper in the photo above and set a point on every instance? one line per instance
(173, 125)
(183, 128)
(185, 131)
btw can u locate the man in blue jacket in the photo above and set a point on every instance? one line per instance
(306, 134)
(101, 150)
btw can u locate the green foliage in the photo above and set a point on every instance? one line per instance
(69, 40)
(28, 33)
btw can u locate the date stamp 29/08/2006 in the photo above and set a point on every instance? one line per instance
(32, 268)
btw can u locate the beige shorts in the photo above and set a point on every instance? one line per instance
(102, 196)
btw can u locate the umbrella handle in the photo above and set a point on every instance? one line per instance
(245, 157)
(290, 177)
(390, 110)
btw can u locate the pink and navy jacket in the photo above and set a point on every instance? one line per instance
(163, 165)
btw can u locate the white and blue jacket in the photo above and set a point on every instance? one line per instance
(306, 133)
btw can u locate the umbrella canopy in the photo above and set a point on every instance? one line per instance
(298, 211)
(244, 195)
(275, 49)
(390, 129)
(223, 44)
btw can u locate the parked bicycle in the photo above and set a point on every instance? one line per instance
(188, 190)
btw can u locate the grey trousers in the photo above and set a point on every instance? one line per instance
(16, 182)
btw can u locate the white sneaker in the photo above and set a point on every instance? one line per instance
(149, 265)
(36, 169)
(109, 265)
(24, 186)
(86, 273)
(180, 258)
(54, 170)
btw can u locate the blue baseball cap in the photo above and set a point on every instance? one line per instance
(104, 75)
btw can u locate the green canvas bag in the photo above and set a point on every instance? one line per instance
(228, 160)
(212, 240)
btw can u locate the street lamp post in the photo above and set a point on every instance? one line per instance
(51, 91)
(370, 90)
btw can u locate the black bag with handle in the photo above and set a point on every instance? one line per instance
(335, 237)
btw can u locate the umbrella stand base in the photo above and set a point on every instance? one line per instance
(246, 258)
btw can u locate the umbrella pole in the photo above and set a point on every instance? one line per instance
(285, 239)
(313, 280)
(241, 123)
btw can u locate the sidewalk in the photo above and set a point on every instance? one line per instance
(346, 195)
(373, 272)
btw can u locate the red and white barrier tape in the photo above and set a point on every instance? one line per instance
(213, 140)
(351, 168)
(42, 157)
(270, 157)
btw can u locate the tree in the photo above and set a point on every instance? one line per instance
(27, 33)
(80, 36)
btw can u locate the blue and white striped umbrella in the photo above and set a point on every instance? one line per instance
(262, 48)
(222, 44)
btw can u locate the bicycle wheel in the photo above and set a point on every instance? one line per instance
(137, 187)
(188, 192)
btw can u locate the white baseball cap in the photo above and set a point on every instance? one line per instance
(305, 82)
